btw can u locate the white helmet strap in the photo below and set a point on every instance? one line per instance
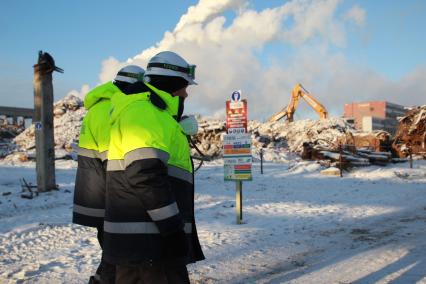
(190, 70)
(138, 76)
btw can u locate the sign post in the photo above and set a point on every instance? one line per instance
(239, 201)
(237, 148)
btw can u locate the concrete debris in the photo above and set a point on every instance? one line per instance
(7, 133)
(319, 140)
(277, 139)
(410, 136)
(69, 113)
(377, 140)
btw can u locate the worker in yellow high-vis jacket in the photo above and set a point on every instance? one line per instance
(150, 231)
(89, 193)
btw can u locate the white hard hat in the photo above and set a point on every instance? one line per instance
(168, 63)
(130, 74)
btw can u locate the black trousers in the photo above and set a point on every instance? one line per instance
(151, 274)
(105, 273)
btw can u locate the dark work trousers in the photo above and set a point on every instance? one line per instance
(106, 271)
(151, 274)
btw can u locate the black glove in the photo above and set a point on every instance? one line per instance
(175, 245)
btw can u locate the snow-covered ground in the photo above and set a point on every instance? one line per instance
(299, 227)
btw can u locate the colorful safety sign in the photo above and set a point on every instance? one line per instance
(237, 142)
(237, 156)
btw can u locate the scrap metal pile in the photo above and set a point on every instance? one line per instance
(411, 134)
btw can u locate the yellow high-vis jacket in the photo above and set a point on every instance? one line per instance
(150, 182)
(89, 193)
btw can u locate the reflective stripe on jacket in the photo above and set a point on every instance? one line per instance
(89, 193)
(150, 190)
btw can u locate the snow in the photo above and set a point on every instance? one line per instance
(299, 226)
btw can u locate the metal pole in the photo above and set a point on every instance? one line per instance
(340, 160)
(239, 201)
(261, 161)
(43, 120)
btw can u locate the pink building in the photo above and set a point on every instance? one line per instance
(376, 115)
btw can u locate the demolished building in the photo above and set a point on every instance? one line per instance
(411, 134)
(279, 141)
(68, 115)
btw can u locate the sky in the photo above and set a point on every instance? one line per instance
(342, 51)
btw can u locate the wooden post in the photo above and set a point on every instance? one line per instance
(239, 201)
(261, 161)
(43, 121)
(410, 151)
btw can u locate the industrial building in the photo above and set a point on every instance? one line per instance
(376, 115)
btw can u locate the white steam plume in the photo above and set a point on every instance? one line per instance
(356, 15)
(227, 54)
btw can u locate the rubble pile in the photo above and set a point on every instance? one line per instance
(350, 156)
(276, 137)
(209, 137)
(7, 133)
(330, 141)
(69, 113)
(378, 140)
(410, 136)
(324, 133)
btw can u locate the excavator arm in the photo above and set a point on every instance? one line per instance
(296, 94)
(289, 109)
(277, 116)
(314, 103)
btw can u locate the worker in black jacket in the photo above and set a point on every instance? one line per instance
(89, 193)
(149, 226)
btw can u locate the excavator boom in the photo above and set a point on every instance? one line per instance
(298, 92)
(282, 113)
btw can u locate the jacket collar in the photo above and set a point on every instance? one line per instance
(172, 103)
(120, 101)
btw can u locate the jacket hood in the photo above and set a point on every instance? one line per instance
(102, 92)
(120, 101)
(172, 103)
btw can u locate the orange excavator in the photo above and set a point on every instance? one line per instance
(297, 93)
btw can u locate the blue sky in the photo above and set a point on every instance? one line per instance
(393, 42)
(80, 35)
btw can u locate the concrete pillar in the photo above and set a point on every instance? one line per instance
(43, 120)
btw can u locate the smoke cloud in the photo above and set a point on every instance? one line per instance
(230, 54)
(82, 93)
(357, 15)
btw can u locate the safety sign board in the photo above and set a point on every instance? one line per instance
(236, 114)
(237, 156)
(236, 96)
(38, 125)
